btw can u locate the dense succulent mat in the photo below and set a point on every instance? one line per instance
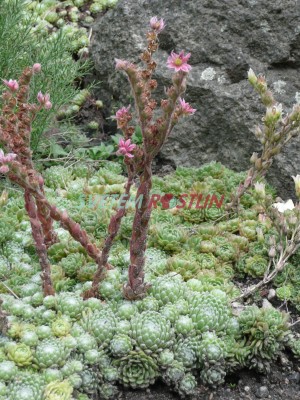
(183, 332)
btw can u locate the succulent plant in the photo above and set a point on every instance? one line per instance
(20, 354)
(72, 263)
(103, 327)
(50, 353)
(120, 345)
(256, 266)
(184, 352)
(187, 385)
(213, 376)
(168, 288)
(137, 370)
(151, 332)
(8, 370)
(267, 333)
(26, 386)
(208, 312)
(70, 305)
(168, 238)
(58, 390)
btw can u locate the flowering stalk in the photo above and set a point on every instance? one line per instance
(123, 117)
(286, 220)
(15, 131)
(154, 136)
(113, 229)
(19, 175)
(4, 324)
(276, 132)
(15, 134)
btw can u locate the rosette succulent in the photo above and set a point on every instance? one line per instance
(50, 353)
(209, 312)
(20, 354)
(151, 332)
(58, 390)
(168, 238)
(26, 386)
(168, 289)
(120, 345)
(137, 370)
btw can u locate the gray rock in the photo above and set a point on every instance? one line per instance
(262, 392)
(225, 39)
(294, 377)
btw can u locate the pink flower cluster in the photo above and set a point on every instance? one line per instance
(125, 148)
(44, 100)
(4, 159)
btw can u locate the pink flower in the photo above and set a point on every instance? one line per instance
(36, 68)
(123, 116)
(179, 61)
(4, 169)
(157, 24)
(123, 112)
(125, 148)
(186, 108)
(44, 100)
(5, 159)
(11, 84)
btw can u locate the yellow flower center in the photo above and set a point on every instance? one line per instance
(178, 61)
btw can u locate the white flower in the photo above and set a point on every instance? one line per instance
(282, 207)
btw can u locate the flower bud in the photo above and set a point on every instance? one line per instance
(260, 189)
(36, 68)
(297, 185)
(273, 114)
(253, 158)
(272, 252)
(157, 24)
(252, 78)
(4, 169)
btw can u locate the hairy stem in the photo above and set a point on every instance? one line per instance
(38, 236)
(113, 230)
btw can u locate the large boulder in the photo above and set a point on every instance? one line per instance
(225, 38)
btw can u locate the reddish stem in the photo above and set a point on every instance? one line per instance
(113, 230)
(38, 236)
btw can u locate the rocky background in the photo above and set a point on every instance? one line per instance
(225, 38)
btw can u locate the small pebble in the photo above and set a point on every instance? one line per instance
(271, 294)
(284, 360)
(262, 392)
(295, 377)
(266, 304)
(247, 389)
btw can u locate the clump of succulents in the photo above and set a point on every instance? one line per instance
(267, 334)
(183, 331)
